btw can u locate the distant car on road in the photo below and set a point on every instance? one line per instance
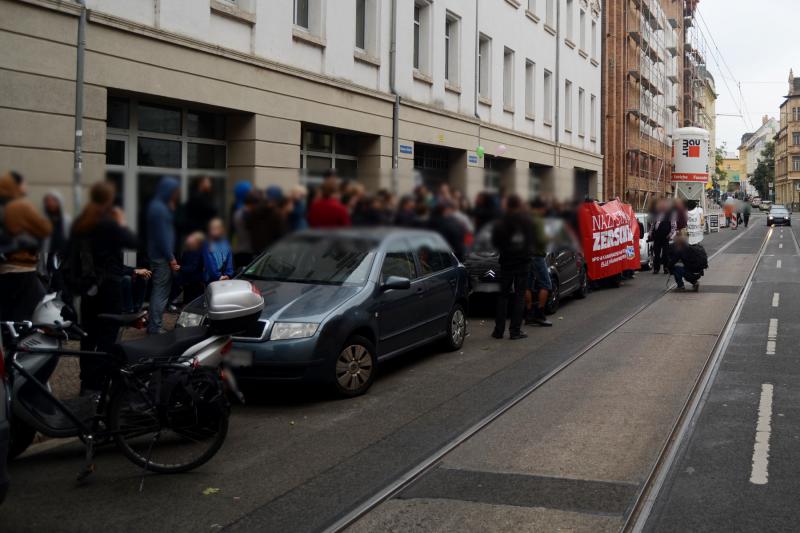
(645, 246)
(779, 216)
(339, 302)
(764, 205)
(755, 202)
(564, 259)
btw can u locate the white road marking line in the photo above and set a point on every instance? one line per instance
(760, 470)
(780, 246)
(772, 336)
(779, 263)
(776, 299)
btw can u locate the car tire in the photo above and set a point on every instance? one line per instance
(583, 288)
(554, 298)
(354, 367)
(456, 328)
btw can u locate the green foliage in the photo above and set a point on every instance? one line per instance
(765, 171)
(719, 172)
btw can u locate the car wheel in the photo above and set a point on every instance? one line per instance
(354, 370)
(583, 288)
(554, 298)
(456, 328)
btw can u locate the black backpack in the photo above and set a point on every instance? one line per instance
(80, 273)
(698, 256)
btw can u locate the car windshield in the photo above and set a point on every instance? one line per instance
(317, 259)
(778, 211)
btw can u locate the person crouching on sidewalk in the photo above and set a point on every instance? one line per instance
(687, 262)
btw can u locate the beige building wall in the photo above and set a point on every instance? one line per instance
(265, 103)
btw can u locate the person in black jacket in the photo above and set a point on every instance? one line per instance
(443, 222)
(513, 236)
(660, 234)
(687, 262)
(100, 233)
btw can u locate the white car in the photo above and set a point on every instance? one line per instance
(645, 247)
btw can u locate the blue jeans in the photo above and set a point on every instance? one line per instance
(539, 278)
(679, 271)
(159, 294)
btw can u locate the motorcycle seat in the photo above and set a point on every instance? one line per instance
(167, 345)
(126, 319)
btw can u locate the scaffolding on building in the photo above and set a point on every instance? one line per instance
(651, 99)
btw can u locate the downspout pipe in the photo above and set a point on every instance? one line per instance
(477, 66)
(77, 172)
(558, 86)
(393, 90)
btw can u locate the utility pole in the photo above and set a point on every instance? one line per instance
(77, 172)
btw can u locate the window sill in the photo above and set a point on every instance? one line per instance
(364, 57)
(595, 62)
(530, 116)
(452, 88)
(508, 109)
(581, 135)
(583, 53)
(548, 123)
(485, 101)
(593, 139)
(301, 34)
(514, 3)
(531, 15)
(231, 11)
(549, 29)
(569, 42)
(424, 78)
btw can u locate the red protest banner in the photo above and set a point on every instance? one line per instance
(609, 237)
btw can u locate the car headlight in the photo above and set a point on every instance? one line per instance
(189, 320)
(293, 330)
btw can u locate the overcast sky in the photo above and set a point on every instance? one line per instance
(755, 39)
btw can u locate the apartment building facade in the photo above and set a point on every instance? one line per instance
(751, 147)
(277, 91)
(787, 147)
(645, 93)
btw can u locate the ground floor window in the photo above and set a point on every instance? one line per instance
(146, 141)
(322, 150)
(432, 164)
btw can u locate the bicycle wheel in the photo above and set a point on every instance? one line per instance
(176, 434)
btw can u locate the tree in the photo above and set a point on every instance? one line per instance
(764, 175)
(719, 172)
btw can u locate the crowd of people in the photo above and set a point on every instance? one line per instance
(675, 231)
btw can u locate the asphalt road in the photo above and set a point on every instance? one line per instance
(740, 468)
(295, 460)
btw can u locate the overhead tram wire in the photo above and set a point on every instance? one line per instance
(722, 62)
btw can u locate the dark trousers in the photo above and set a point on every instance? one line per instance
(20, 293)
(680, 273)
(746, 219)
(517, 280)
(660, 254)
(100, 335)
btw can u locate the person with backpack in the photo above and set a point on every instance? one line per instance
(22, 230)
(513, 236)
(161, 248)
(95, 271)
(687, 262)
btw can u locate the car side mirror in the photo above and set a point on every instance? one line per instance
(396, 283)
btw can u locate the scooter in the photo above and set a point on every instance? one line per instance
(36, 356)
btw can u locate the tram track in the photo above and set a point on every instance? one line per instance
(639, 513)
(399, 483)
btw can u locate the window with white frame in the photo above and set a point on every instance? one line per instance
(796, 138)
(593, 118)
(530, 87)
(422, 27)
(532, 6)
(308, 16)
(582, 29)
(548, 96)
(795, 163)
(301, 14)
(550, 14)
(570, 22)
(451, 49)
(484, 66)
(361, 24)
(581, 112)
(568, 105)
(594, 39)
(508, 78)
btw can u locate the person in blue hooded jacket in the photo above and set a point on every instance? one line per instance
(160, 228)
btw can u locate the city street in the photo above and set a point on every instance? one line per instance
(572, 454)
